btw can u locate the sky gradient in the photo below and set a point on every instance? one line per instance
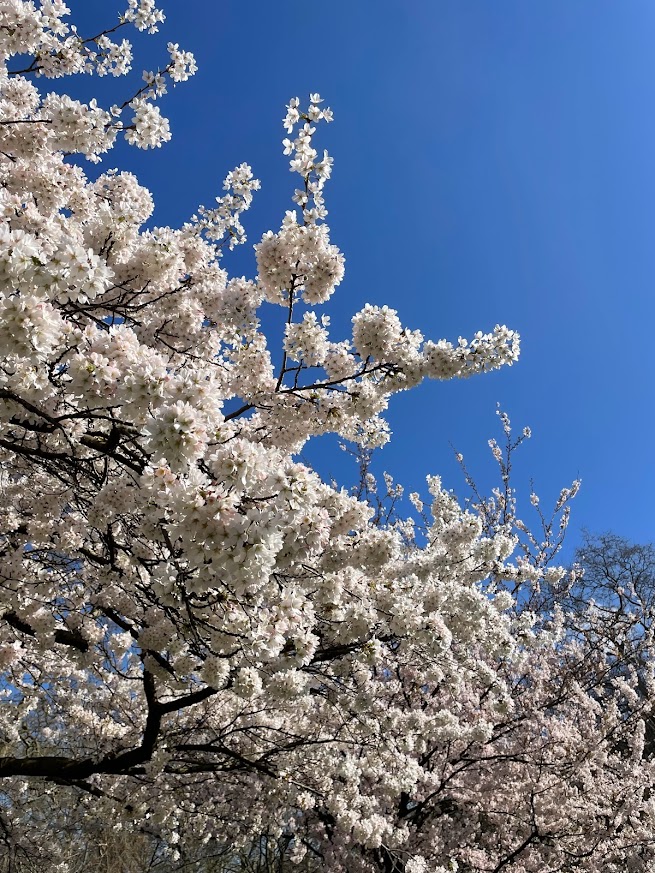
(493, 163)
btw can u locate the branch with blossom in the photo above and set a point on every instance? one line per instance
(197, 631)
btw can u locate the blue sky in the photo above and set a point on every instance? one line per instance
(493, 163)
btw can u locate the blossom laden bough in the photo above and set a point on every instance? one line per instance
(196, 631)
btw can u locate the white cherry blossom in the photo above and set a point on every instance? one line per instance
(196, 631)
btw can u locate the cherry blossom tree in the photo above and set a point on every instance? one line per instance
(203, 643)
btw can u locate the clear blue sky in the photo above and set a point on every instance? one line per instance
(493, 163)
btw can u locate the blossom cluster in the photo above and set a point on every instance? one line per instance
(58, 50)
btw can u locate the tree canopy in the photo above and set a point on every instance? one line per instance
(201, 641)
